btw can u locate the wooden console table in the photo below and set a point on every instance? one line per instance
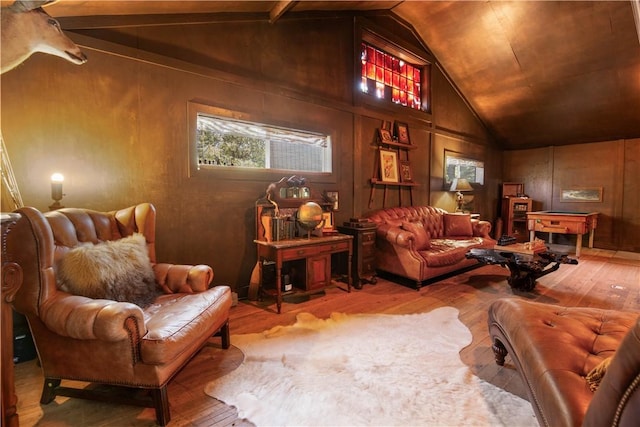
(578, 223)
(316, 251)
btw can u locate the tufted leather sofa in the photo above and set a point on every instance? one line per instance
(554, 348)
(397, 252)
(104, 341)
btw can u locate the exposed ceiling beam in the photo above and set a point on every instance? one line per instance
(279, 9)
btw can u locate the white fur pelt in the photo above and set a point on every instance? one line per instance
(118, 270)
(365, 370)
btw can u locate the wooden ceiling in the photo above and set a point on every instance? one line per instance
(537, 73)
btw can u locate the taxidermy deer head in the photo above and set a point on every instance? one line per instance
(27, 28)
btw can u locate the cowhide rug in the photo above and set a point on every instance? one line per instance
(368, 370)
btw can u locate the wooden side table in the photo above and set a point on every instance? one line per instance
(363, 266)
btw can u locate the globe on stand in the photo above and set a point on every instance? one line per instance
(309, 217)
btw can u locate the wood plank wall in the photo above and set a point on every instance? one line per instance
(611, 165)
(117, 127)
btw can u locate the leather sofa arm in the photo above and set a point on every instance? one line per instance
(178, 278)
(395, 235)
(92, 319)
(481, 228)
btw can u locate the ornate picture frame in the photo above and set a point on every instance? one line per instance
(406, 174)
(401, 132)
(388, 166)
(385, 136)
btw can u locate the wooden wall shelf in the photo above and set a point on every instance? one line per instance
(401, 150)
(376, 181)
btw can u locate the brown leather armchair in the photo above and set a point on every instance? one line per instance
(104, 341)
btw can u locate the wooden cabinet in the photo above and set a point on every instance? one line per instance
(363, 266)
(318, 272)
(514, 217)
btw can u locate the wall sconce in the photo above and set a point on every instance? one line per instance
(56, 191)
(459, 185)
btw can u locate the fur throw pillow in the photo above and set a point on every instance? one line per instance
(118, 270)
(594, 377)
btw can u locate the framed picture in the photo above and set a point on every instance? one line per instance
(332, 196)
(385, 135)
(388, 166)
(457, 165)
(401, 131)
(328, 224)
(405, 171)
(581, 194)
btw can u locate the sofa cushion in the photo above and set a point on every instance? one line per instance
(457, 225)
(178, 322)
(118, 270)
(444, 252)
(421, 236)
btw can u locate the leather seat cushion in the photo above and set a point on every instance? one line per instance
(556, 347)
(175, 322)
(443, 252)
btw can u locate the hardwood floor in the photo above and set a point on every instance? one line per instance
(602, 278)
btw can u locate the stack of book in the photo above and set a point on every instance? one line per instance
(283, 228)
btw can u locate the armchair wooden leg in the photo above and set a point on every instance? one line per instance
(161, 404)
(224, 334)
(49, 390)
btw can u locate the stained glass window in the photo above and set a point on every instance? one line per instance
(386, 76)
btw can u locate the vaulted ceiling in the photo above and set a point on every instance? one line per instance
(537, 73)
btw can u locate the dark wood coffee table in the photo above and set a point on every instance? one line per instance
(525, 268)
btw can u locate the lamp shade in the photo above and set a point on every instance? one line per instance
(460, 184)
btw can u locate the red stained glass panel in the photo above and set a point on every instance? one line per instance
(391, 75)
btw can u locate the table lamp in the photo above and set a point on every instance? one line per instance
(459, 185)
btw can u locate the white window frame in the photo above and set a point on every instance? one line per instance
(246, 173)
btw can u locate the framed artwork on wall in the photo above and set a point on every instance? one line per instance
(405, 171)
(401, 132)
(458, 165)
(333, 197)
(581, 194)
(385, 135)
(388, 166)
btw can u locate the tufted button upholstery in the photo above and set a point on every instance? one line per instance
(396, 251)
(554, 348)
(103, 341)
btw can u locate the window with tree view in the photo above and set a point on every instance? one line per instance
(224, 142)
(386, 76)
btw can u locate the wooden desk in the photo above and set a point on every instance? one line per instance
(316, 251)
(578, 223)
